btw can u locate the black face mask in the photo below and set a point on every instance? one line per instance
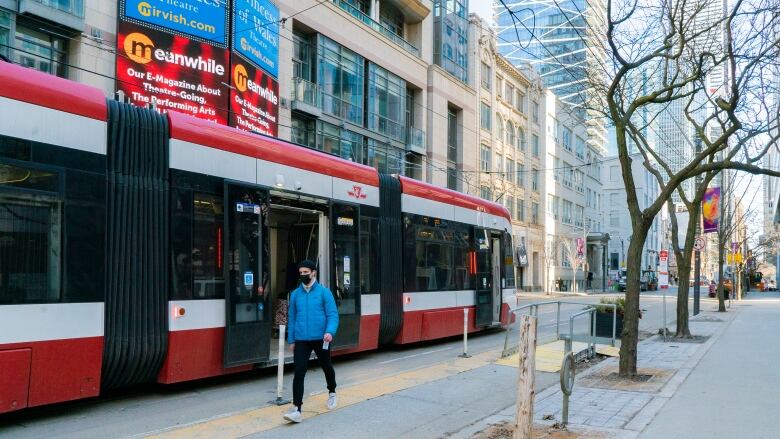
(305, 278)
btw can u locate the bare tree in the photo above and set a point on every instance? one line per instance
(670, 44)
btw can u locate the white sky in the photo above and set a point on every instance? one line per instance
(483, 8)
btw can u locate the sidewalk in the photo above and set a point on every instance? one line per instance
(723, 386)
(733, 391)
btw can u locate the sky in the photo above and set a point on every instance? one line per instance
(483, 8)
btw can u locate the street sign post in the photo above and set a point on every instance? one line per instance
(663, 269)
(698, 247)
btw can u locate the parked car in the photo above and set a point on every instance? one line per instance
(649, 281)
(703, 282)
(623, 274)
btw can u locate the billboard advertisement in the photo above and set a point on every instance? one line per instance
(256, 33)
(203, 19)
(254, 98)
(709, 209)
(183, 75)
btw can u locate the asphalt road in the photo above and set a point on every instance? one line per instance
(145, 409)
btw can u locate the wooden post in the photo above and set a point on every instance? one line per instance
(525, 378)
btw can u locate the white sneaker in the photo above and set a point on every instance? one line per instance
(294, 415)
(332, 402)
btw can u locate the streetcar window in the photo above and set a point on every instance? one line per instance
(26, 178)
(30, 248)
(369, 256)
(435, 254)
(509, 261)
(197, 231)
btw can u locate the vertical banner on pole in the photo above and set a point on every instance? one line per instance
(663, 269)
(709, 209)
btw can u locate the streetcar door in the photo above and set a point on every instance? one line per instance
(345, 271)
(247, 315)
(483, 300)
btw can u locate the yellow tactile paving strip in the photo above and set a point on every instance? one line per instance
(550, 356)
(266, 418)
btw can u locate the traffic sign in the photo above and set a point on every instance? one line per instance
(699, 244)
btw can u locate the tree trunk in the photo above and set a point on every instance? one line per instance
(630, 335)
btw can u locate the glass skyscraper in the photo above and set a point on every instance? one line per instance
(564, 41)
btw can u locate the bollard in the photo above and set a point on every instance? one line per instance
(280, 369)
(664, 326)
(526, 388)
(465, 353)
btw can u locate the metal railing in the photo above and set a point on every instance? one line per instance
(416, 140)
(373, 24)
(590, 309)
(307, 92)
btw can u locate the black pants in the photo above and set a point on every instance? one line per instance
(301, 356)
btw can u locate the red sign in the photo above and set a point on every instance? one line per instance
(254, 99)
(663, 255)
(183, 75)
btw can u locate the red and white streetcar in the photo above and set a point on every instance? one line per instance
(140, 247)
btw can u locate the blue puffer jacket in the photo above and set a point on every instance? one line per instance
(312, 314)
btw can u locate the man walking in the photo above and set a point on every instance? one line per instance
(313, 320)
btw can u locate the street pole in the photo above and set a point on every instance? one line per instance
(604, 268)
(696, 286)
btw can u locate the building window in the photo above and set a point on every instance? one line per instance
(535, 145)
(450, 46)
(384, 157)
(391, 18)
(579, 147)
(520, 210)
(452, 136)
(567, 134)
(535, 112)
(534, 213)
(5, 32)
(338, 141)
(535, 180)
(499, 128)
(484, 159)
(509, 93)
(452, 178)
(520, 101)
(614, 261)
(303, 67)
(486, 193)
(341, 78)
(510, 134)
(39, 50)
(485, 116)
(567, 211)
(499, 86)
(386, 103)
(485, 76)
(304, 131)
(510, 169)
(520, 176)
(554, 206)
(521, 139)
(510, 204)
